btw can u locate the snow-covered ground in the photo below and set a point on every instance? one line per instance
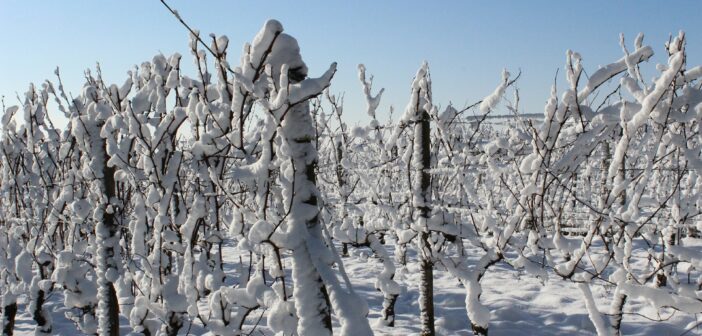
(520, 305)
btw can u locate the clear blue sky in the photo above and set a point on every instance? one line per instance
(467, 43)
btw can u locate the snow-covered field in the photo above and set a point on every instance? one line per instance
(520, 304)
(566, 224)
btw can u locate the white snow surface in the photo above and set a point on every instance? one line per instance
(519, 304)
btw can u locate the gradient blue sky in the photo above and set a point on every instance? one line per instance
(467, 43)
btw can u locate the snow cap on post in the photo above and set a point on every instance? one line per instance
(286, 51)
(265, 37)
